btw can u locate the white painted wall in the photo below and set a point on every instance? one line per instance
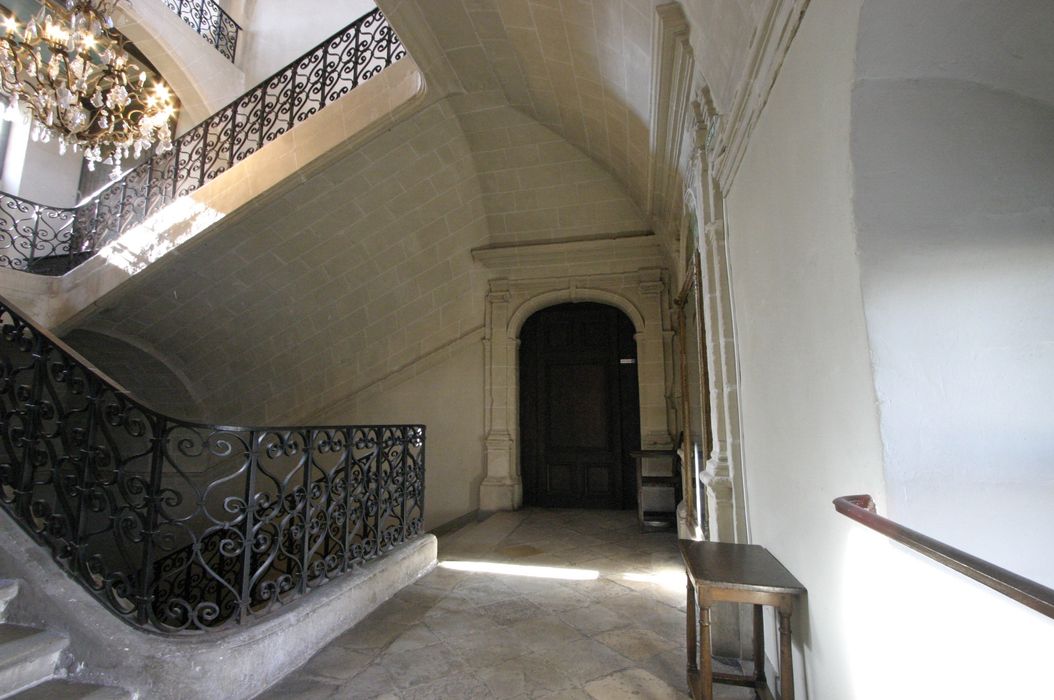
(275, 35)
(809, 422)
(953, 149)
(37, 171)
(946, 289)
(916, 630)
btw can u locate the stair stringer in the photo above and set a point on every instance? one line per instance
(232, 664)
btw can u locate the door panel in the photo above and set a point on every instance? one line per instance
(579, 420)
(578, 406)
(561, 479)
(598, 479)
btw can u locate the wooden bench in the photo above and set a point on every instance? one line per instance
(737, 573)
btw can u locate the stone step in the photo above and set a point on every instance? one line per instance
(8, 591)
(27, 657)
(64, 690)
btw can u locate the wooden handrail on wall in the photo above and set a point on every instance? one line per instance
(1025, 591)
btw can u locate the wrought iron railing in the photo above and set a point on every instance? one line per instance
(304, 87)
(180, 527)
(30, 232)
(211, 22)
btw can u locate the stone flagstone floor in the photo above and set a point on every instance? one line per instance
(559, 604)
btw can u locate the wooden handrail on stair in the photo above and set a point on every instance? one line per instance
(1025, 591)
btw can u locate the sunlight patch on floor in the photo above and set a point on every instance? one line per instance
(489, 567)
(671, 579)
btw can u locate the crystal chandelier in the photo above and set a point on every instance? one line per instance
(67, 70)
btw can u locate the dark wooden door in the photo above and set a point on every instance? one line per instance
(579, 407)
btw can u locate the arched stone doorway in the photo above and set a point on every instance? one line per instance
(640, 295)
(579, 407)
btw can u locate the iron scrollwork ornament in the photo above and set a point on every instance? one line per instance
(180, 527)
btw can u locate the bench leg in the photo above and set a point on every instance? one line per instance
(759, 646)
(692, 632)
(706, 662)
(786, 661)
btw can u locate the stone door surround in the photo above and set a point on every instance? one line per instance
(639, 292)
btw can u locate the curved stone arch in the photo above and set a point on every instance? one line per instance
(562, 296)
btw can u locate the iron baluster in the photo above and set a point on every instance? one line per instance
(405, 433)
(32, 428)
(263, 116)
(204, 151)
(386, 29)
(305, 538)
(234, 135)
(70, 245)
(145, 598)
(355, 74)
(379, 471)
(419, 476)
(292, 97)
(176, 148)
(324, 90)
(87, 473)
(96, 217)
(120, 206)
(349, 434)
(149, 165)
(250, 517)
(33, 239)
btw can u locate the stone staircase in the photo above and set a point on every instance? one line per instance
(33, 661)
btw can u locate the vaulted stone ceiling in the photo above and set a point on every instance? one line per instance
(582, 67)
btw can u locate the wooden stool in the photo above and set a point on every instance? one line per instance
(737, 573)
